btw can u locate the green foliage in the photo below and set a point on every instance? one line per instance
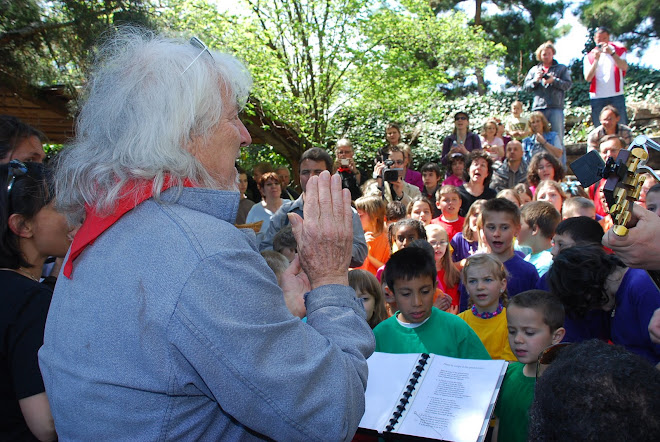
(635, 22)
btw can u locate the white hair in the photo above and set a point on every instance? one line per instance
(140, 113)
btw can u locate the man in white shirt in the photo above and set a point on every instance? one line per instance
(604, 67)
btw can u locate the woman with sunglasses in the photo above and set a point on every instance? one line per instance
(30, 231)
(462, 139)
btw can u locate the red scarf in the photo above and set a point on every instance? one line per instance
(619, 50)
(132, 194)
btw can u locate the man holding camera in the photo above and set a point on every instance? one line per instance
(604, 67)
(549, 82)
(389, 173)
(345, 166)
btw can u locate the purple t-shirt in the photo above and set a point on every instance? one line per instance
(462, 247)
(636, 300)
(415, 178)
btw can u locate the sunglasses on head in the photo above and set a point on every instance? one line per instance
(196, 42)
(548, 355)
(15, 169)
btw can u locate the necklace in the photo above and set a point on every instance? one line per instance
(22, 272)
(487, 315)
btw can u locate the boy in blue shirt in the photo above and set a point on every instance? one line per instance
(418, 327)
(539, 221)
(534, 319)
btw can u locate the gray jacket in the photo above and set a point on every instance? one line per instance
(549, 96)
(173, 328)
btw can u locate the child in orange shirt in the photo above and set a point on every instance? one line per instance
(371, 210)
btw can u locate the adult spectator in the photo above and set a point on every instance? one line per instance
(168, 323)
(288, 192)
(392, 135)
(542, 138)
(345, 166)
(30, 231)
(609, 147)
(594, 392)
(549, 81)
(462, 140)
(609, 125)
(269, 186)
(604, 68)
(245, 203)
(477, 177)
(253, 184)
(513, 169)
(312, 162)
(20, 141)
(395, 189)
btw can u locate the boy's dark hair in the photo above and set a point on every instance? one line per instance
(593, 392)
(12, 132)
(475, 154)
(500, 205)
(409, 263)
(578, 276)
(455, 158)
(424, 245)
(317, 154)
(408, 222)
(541, 214)
(582, 229)
(546, 303)
(431, 167)
(396, 211)
(655, 188)
(284, 239)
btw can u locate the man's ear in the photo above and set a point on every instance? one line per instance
(558, 335)
(19, 226)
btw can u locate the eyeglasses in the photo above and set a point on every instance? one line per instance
(438, 243)
(15, 169)
(196, 42)
(548, 355)
(462, 117)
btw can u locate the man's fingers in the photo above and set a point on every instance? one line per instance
(296, 227)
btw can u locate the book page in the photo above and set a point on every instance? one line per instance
(388, 376)
(453, 400)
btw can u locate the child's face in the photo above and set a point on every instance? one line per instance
(457, 168)
(242, 183)
(414, 298)
(524, 199)
(580, 211)
(473, 219)
(404, 235)
(499, 230)
(484, 287)
(368, 301)
(545, 170)
(653, 202)
(422, 212)
(561, 242)
(289, 252)
(450, 204)
(551, 195)
(430, 179)
(528, 334)
(516, 109)
(365, 219)
(440, 242)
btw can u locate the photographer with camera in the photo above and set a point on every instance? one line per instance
(344, 165)
(389, 174)
(604, 68)
(549, 81)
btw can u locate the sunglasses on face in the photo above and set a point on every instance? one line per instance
(196, 42)
(462, 117)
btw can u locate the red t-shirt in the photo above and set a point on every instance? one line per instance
(452, 228)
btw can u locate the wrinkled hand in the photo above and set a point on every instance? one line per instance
(295, 284)
(443, 301)
(640, 248)
(325, 236)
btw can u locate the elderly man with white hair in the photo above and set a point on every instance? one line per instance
(167, 323)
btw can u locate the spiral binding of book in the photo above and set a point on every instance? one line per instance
(412, 383)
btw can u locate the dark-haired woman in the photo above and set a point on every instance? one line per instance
(30, 231)
(462, 139)
(477, 175)
(587, 278)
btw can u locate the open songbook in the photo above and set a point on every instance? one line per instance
(431, 396)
